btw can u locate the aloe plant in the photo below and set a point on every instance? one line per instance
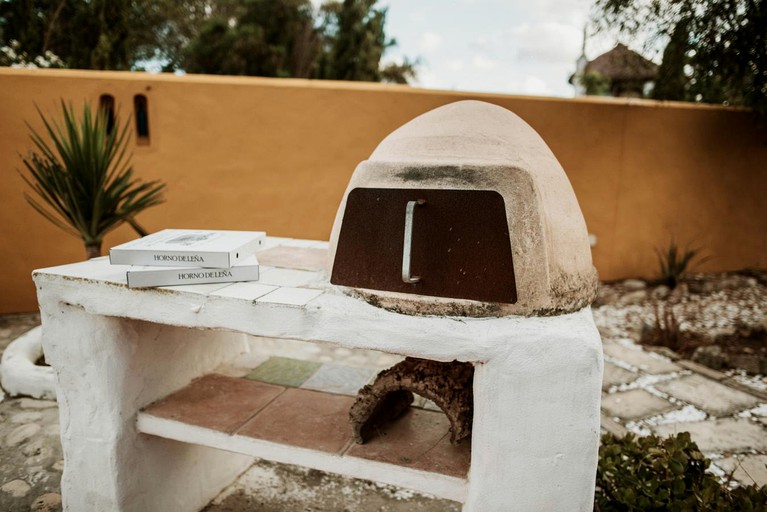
(82, 180)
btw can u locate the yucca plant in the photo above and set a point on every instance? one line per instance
(675, 262)
(82, 179)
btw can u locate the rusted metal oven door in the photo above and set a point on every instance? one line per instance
(441, 243)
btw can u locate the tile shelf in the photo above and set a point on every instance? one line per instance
(311, 429)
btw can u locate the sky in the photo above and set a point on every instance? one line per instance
(501, 46)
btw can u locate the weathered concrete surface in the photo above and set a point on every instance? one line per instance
(636, 357)
(634, 404)
(614, 375)
(718, 436)
(746, 469)
(712, 397)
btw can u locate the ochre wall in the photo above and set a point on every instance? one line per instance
(276, 155)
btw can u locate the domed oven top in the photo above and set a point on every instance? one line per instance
(463, 211)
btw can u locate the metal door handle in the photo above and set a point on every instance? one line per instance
(408, 245)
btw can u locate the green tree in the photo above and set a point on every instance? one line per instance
(288, 38)
(596, 84)
(173, 24)
(671, 83)
(354, 41)
(402, 73)
(277, 38)
(718, 48)
(95, 34)
(266, 38)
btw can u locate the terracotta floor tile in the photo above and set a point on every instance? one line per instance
(419, 439)
(216, 402)
(304, 418)
(284, 371)
(447, 459)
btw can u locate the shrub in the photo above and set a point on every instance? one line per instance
(653, 474)
(665, 331)
(674, 263)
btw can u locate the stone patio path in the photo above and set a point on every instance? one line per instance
(644, 392)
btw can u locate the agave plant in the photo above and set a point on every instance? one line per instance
(82, 179)
(674, 262)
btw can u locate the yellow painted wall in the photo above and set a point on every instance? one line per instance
(276, 155)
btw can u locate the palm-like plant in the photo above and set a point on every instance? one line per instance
(83, 181)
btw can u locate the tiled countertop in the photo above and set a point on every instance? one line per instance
(292, 299)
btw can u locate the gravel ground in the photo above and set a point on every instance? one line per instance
(30, 453)
(709, 308)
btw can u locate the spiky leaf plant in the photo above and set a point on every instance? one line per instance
(674, 262)
(82, 179)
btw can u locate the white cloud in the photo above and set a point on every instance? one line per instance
(480, 43)
(574, 12)
(546, 41)
(506, 46)
(482, 62)
(430, 42)
(535, 85)
(454, 65)
(530, 84)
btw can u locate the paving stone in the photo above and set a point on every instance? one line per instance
(615, 375)
(26, 417)
(746, 469)
(723, 435)
(21, 434)
(16, 488)
(52, 430)
(634, 404)
(50, 502)
(30, 403)
(712, 397)
(639, 358)
(607, 424)
(634, 284)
